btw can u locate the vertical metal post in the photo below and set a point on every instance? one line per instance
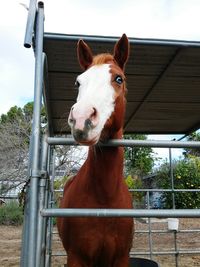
(149, 224)
(173, 202)
(40, 256)
(50, 204)
(176, 248)
(172, 178)
(35, 139)
(30, 23)
(24, 254)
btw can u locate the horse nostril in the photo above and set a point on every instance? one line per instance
(72, 121)
(88, 124)
(94, 117)
(79, 135)
(94, 114)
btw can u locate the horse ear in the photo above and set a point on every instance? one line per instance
(121, 51)
(84, 54)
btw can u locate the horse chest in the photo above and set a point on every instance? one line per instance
(99, 234)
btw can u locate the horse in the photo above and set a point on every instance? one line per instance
(98, 115)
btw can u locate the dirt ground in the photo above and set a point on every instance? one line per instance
(10, 244)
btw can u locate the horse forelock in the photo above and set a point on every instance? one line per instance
(103, 59)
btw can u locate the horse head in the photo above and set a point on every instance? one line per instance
(99, 111)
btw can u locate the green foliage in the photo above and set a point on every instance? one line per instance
(11, 214)
(21, 114)
(13, 114)
(134, 182)
(186, 176)
(138, 161)
(193, 151)
(59, 183)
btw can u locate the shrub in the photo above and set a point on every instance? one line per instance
(11, 214)
(134, 182)
(186, 176)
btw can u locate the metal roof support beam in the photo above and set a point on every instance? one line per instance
(46, 95)
(107, 39)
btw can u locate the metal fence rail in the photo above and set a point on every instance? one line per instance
(150, 213)
(129, 143)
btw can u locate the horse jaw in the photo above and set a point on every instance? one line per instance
(95, 93)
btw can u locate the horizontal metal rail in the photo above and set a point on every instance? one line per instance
(129, 143)
(155, 253)
(107, 39)
(136, 213)
(143, 232)
(9, 197)
(141, 253)
(167, 231)
(145, 190)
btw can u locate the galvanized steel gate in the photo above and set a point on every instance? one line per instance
(36, 245)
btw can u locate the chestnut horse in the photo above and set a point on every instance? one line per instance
(98, 115)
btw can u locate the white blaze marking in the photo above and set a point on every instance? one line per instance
(96, 91)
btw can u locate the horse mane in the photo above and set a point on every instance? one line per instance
(102, 59)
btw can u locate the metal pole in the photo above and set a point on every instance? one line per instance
(151, 213)
(50, 204)
(35, 167)
(149, 225)
(25, 232)
(41, 220)
(126, 143)
(134, 41)
(153, 190)
(176, 248)
(47, 195)
(173, 202)
(30, 23)
(172, 178)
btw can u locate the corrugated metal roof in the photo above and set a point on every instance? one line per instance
(163, 82)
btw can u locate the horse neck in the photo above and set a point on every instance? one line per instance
(104, 167)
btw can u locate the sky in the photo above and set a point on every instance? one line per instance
(164, 19)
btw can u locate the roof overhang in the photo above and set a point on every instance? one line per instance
(163, 82)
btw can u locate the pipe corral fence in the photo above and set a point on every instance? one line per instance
(39, 210)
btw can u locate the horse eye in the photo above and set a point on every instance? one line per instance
(77, 84)
(118, 79)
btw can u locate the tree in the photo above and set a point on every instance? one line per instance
(14, 140)
(15, 131)
(138, 161)
(69, 159)
(192, 151)
(186, 174)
